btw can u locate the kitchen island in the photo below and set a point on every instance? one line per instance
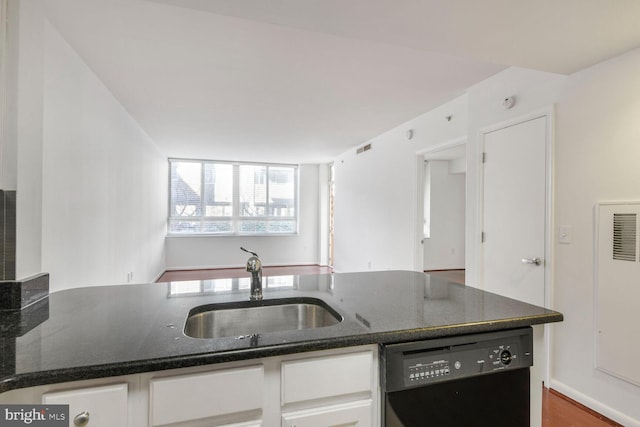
(110, 331)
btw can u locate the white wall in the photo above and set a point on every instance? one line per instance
(29, 136)
(596, 155)
(444, 249)
(8, 90)
(195, 252)
(597, 140)
(91, 185)
(597, 158)
(377, 226)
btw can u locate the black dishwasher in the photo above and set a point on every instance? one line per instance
(468, 380)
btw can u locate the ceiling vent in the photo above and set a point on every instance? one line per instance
(363, 149)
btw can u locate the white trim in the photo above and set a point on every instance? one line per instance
(418, 212)
(594, 404)
(443, 146)
(548, 114)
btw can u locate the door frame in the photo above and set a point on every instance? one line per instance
(548, 114)
(418, 247)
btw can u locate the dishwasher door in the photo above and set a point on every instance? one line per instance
(471, 380)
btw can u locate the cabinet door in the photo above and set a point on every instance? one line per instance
(344, 415)
(104, 406)
(191, 397)
(317, 378)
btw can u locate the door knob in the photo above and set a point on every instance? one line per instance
(82, 419)
(534, 261)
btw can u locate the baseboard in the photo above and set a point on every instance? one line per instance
(158, 276)
(593, 404)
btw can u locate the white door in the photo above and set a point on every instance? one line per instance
(515, 210)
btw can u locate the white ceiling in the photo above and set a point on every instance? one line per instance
(305, 80)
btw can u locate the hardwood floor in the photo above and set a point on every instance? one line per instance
(560, 411)
(229, 273)
(557, 409)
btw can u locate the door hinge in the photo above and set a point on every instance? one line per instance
(484, 157)
(482, 237)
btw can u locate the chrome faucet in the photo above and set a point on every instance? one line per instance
(254, 266)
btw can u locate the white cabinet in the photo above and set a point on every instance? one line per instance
(336, 390)
(182, 398)
(352, 414)
(330, 376)
(104, 406)
(327, 388)
(337, 387)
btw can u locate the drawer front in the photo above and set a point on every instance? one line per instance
(209, 394)
(105, 406)
(349, 414)
(246, 424)
(326, 377)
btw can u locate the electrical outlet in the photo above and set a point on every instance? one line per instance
(130, 277)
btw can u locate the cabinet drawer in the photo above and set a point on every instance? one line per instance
(246, 424)
(326, 377)
(191, 397)
(106, 405)
(349, 414)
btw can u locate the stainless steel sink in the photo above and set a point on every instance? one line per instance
(244, 318)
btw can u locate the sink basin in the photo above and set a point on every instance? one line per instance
(244, 318)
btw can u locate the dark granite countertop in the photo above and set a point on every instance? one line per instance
(105, 331)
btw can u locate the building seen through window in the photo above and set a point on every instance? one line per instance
(208, 197)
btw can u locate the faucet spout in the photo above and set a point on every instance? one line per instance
(254, 266)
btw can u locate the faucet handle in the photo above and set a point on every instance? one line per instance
(254, 265)
(250, 252)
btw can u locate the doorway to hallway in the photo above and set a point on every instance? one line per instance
(441, 206)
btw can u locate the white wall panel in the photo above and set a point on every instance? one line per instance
(104, 197)
(377, 224)
(596, 159)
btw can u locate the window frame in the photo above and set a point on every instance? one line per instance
(236, 218)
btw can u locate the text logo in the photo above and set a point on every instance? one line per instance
(34, 415)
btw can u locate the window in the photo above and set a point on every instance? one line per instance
(228, 286)
(224, 198)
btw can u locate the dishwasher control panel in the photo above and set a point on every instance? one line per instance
(453, 363)
(414, 364)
